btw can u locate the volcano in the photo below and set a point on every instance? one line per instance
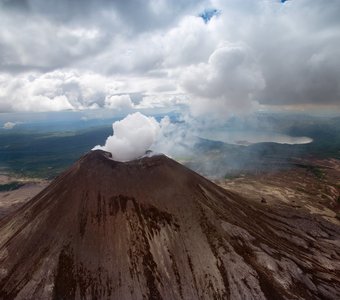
(153, 229)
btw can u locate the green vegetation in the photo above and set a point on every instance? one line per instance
(11, 186)
(317, 172)
(43, 155)
(324, 132)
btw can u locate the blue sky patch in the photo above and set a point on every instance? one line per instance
(208, 13)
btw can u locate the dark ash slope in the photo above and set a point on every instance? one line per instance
(152, 229)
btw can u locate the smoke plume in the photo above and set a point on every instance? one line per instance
(132, 137)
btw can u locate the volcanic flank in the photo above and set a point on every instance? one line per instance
(152, 229)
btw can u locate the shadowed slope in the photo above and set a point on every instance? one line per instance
(152, 229)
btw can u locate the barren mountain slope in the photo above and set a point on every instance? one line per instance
(153, 229)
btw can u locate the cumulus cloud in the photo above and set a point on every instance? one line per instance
(225, 84)
(55, 91)
(41, 45)
(62, 34)
(135, 15)
(160, 101)
(80, 54)
(119, 102)
(132, 137)
(191, 41)
(299, 59)
(9, 125)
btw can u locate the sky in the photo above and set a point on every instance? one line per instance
(213, 57)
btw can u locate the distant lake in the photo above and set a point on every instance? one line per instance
(252, 137)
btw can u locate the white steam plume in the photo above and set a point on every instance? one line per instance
(132, 137)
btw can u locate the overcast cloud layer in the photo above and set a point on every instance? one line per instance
(123, 55)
